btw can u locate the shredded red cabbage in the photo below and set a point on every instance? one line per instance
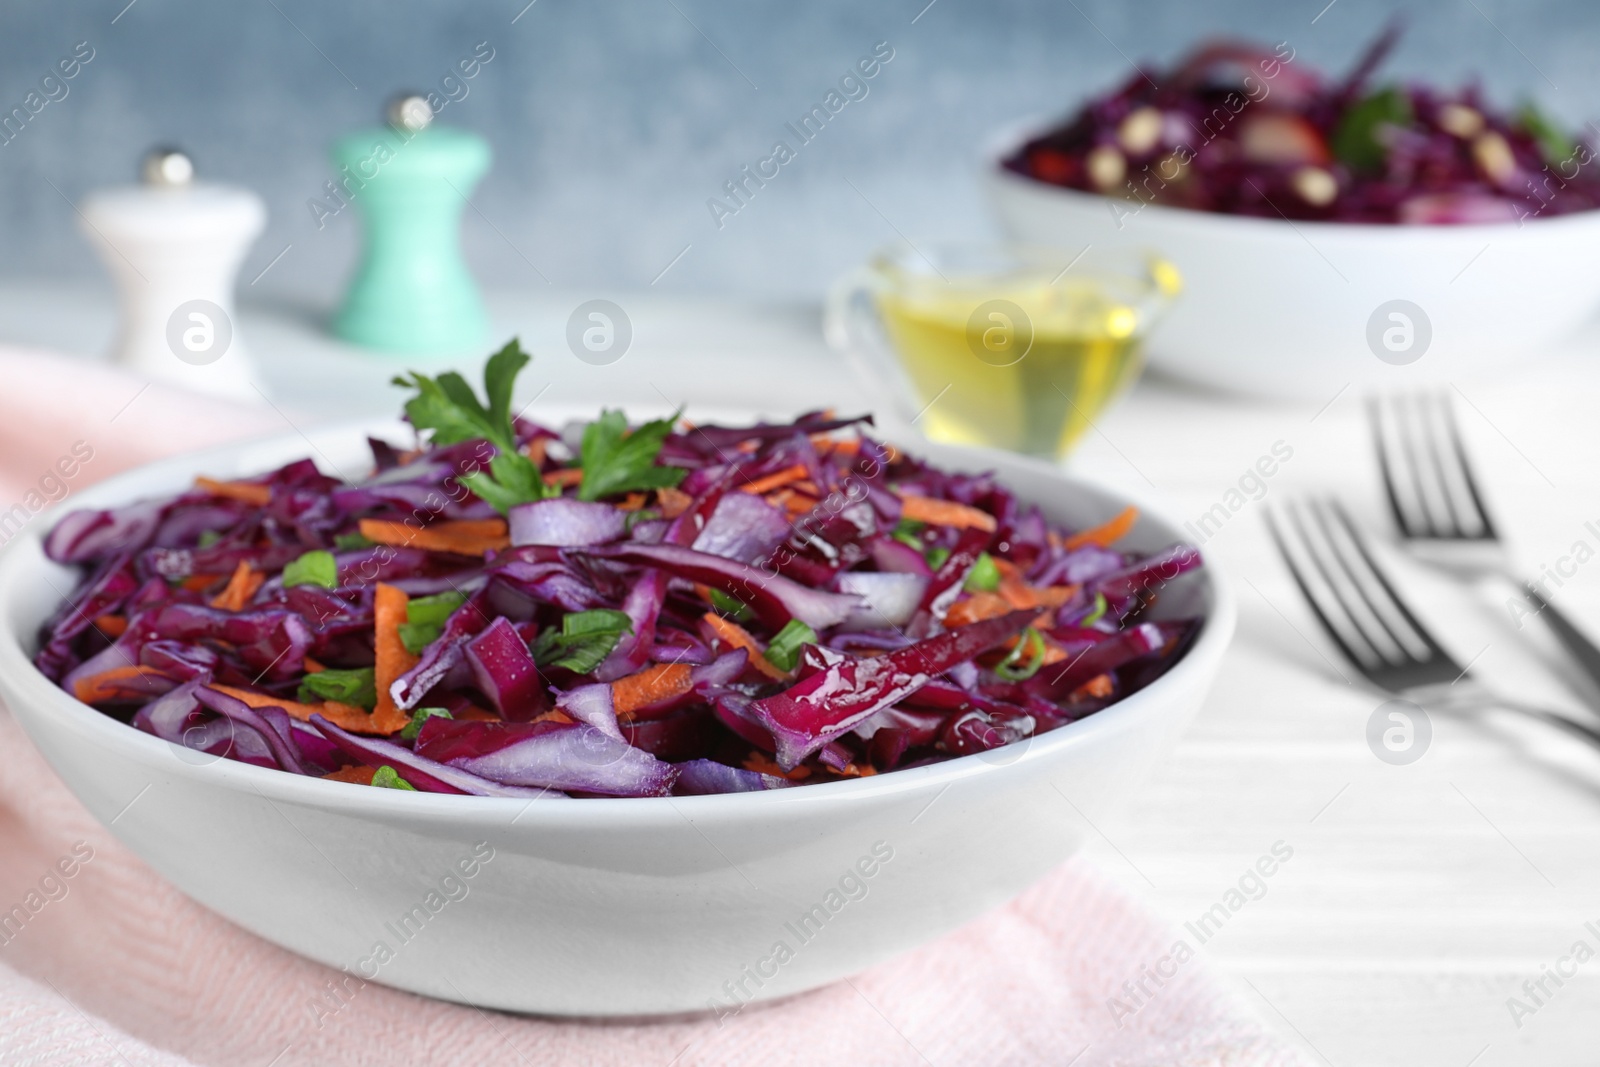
(1250, 130)
(504, 610)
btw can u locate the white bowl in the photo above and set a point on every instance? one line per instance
(597, 907)
(1284, 308)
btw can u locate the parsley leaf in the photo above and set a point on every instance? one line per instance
(451, 412)
(316, 567)
(783, 651)
(1554, 144)
(1358, 140)
(351, 541)
(386, 777)
(425, 618)
(586, 639)
(615, 461)
(420, 716)
(347, 687)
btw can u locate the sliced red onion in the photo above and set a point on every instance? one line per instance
(170, 715)
(592, 704)
(576, 757)
(891, 555)
(273, 642)
(273, 728)
(698, 777)
(447, 650)
(773, 598)
(565, 522)
(420, 771)
(504, 671)
(642, 605)
(888, 600)
(743, 527)
(84, 536)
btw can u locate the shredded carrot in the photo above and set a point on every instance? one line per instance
(847, 446)
(857, 770)
(736, 636)
(313, 667)
(976, 608)
(247, 492)
(242, 585)
(806, 485)
(1020, 594)
(345, 716)
(112, 625)
(798, 503)
(631, 502)
(466, 537)
(199, 583)
(476, 714)
(553, 715)
(649, 686)
(391, 659)
(108, 685)
(776, 480)
(1099, 686)
(944, 513)
(1107, 533)
(672, 502)
(564, 477)
(536, 449)
(759, 763)
(355, 774)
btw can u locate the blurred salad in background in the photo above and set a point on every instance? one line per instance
(1248, 130)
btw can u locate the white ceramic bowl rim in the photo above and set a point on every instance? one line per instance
(1013, 135)
(18, 676)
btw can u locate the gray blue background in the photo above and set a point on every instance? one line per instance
(613, 122)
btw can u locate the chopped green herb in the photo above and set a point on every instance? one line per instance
(1357, 141)
(616, 461)
(351, 541)
(347, 687)
(425, 618)
(783, 651)
(586, 639)
(730, 605)
(909, 533)
(1099, 611)
(420, 716)
(316, 567)
(208, 538)
(984, 577)
(936, 556)
(1025, 660)
(447, 407)
(1554, 144)
(386, 777)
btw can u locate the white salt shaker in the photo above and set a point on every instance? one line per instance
(174, 246)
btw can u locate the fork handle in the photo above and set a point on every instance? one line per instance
(1580, 648)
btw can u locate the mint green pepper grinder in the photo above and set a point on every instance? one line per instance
(412, 292)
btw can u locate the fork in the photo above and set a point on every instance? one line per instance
(1372, 626)
(1439, 510)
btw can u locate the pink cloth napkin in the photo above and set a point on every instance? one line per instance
(110, 964)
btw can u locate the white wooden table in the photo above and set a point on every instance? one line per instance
(1418, 898)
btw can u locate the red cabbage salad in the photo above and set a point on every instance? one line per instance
(1248, 130)
(620, 611)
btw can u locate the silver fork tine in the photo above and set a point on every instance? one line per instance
(1454, 526)
(1325, 560)
(1464, 467)
(1385, 467)
(1305, 591)
(1383, 581)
